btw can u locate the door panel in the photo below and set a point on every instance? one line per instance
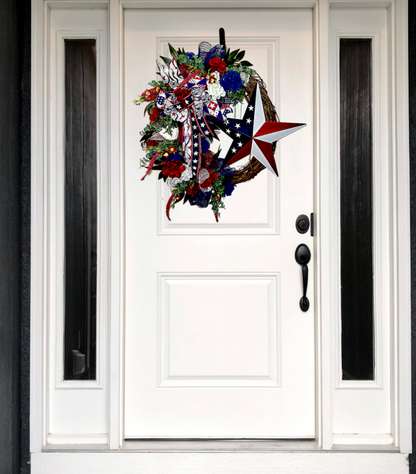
(256, 209)
(216, 344)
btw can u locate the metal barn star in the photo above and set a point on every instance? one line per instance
(253, 134)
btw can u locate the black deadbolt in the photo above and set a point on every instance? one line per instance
(302, 224)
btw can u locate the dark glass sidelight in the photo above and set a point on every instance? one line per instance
(80, 327)
(356, 206)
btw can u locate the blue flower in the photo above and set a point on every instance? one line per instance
(200, 199)
(204, 144)
(229, 188)
(224, 169)
(190, 55)
(231, 81)
(174, 157)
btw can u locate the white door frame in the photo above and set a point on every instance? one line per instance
(43, 338)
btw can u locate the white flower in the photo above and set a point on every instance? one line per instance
(185, 176)
(215, 89)
(244, 78)
(170, 136)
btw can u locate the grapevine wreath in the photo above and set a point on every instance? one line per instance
(188, 106)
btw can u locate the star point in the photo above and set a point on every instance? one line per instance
(257, 135)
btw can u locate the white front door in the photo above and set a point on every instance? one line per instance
(216, 343)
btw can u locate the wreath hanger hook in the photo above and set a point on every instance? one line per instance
(222, 38)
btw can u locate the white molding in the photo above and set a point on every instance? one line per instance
(359, 4)
(78, 4)
(116, 362)
(48, 168)
(272, 381)
(219, 4)
(214, 462)
(323, 251)
(378, 214)
(75, 440)
(401, 242)
(363, 439)
(271, 225)
(57, 198)
(353, 397)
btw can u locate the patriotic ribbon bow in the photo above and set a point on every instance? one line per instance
(188, 105)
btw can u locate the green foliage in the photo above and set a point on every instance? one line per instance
(173, 52)
(180, 188)
(164, 122)
(161, 147)
(149, 106)
(161, 84)
(218, 186)
(231, 57)
(216, 204)
(195, 63)
(236, 97)
(165, 60)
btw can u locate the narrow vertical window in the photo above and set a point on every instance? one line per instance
(356, 207)
(80, 237)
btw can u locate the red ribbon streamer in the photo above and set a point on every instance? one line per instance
(152, 162)
(185, 81)
(172, 197)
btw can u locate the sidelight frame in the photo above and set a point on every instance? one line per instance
(325, 208)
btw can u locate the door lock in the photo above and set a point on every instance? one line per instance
(303, 257)
(302, 224)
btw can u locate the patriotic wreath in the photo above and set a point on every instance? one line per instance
(189, 106)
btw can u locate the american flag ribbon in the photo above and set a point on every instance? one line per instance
(191, 113)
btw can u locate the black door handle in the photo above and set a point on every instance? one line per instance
(303, 257)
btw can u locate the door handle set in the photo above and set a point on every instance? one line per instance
(303, 257)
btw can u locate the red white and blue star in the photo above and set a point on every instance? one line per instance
(253, 135)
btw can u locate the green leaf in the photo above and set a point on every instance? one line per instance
(227, 55)
(240, 56)
(233, 55)
(160, 176)
(149, 106)
(245, 63)
(173, 51)
(165, 60)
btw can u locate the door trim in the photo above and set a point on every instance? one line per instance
(325, 250)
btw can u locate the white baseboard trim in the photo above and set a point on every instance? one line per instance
(213, 463)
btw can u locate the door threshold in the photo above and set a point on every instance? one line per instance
(218, 445)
